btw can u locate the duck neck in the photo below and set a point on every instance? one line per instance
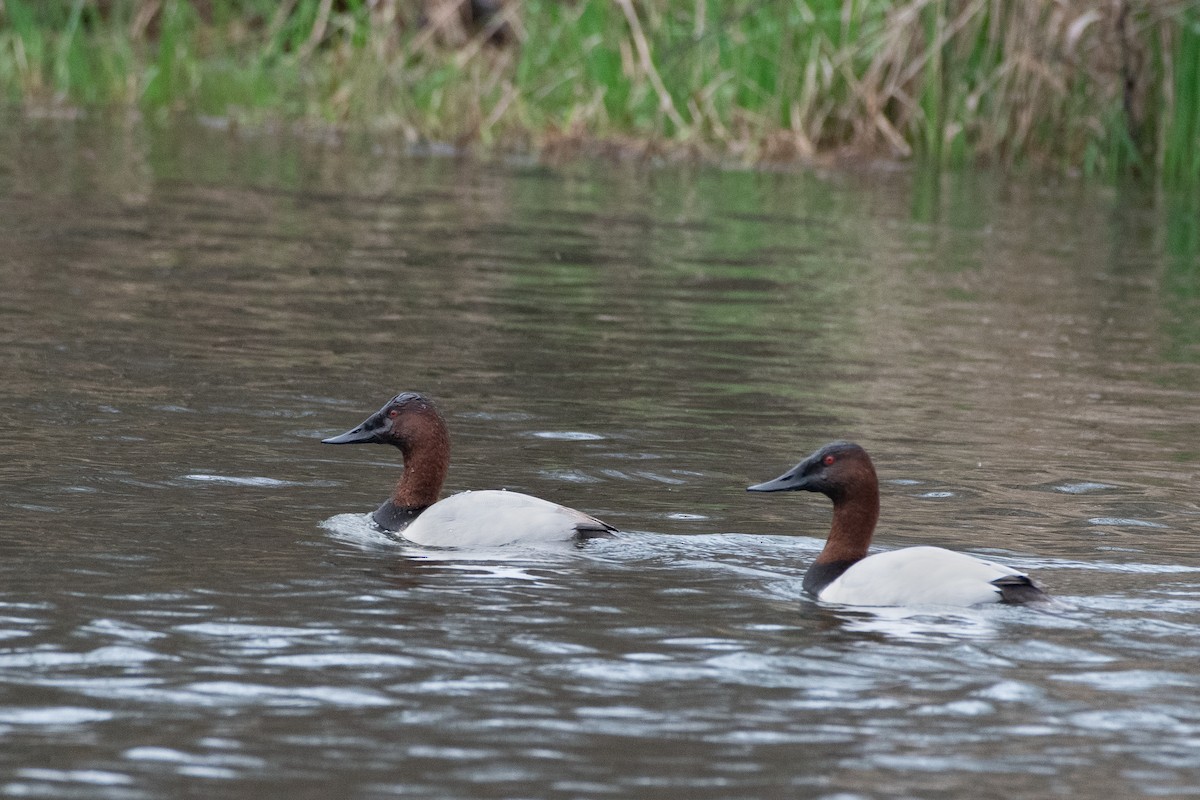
(854, 519)
(849, 538)
(425, 468)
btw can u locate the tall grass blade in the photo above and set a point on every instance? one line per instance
(1181, 140)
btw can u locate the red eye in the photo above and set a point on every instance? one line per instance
(827, 460)
(393, 413)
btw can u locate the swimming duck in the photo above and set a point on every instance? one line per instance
(468, 519)
(844, 573)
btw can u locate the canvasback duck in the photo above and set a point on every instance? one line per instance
(468, 519)
(844, 573)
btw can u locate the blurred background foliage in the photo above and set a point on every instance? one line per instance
(1074, 86)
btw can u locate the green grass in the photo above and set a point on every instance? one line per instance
(1105, 89)
(1181, 128)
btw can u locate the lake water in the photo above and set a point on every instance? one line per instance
(192, 606)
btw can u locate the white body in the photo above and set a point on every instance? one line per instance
(918, 576)
(490, 518)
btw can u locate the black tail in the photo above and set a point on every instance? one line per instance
(594, 529)
(1018, 589)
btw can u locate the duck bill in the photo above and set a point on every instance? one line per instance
(360, 435)
(790, 481)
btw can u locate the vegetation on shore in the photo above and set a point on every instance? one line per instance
(1072, 85)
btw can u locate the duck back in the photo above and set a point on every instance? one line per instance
(491, 518)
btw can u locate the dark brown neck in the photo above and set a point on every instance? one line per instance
(425, 466)
(854, 518)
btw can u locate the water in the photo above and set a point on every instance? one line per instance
(191, 604)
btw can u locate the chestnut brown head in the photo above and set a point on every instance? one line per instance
(835, 470)
(408, 420)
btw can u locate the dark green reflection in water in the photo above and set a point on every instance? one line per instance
(1181, 278)
(734, 270)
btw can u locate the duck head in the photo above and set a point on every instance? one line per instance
(836, 470)
(408, 421)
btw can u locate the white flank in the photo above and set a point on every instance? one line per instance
(918, 576)
(489, 518)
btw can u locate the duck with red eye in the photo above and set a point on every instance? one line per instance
(411, 422)
(845, 573)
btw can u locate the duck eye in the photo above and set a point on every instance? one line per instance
(393, 413)
(828, 460)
